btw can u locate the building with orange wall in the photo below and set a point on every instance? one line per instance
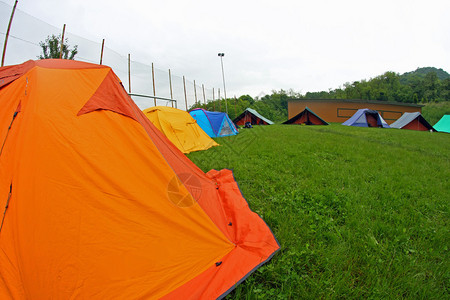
(339, 110)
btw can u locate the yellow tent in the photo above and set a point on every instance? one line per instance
(180, 128)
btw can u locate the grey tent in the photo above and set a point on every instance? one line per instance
(412, 121)
(252, 116)
(365, 117)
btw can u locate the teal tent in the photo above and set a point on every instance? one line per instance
(443, 125)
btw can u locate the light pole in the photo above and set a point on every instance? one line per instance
(221, 55)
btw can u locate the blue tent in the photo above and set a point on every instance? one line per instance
(215, 124)
(365, 117)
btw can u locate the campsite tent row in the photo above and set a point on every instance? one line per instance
(98, 204)
(371, 118)
(362, 118)
(183, 131)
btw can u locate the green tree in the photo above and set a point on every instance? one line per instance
(51, 48)
(431, 84)
(445, 89)
(247, 98)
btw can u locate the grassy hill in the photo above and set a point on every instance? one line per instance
(359, 212)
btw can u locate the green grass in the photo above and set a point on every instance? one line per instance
(359, 212)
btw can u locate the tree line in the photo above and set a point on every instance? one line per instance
(424, 85)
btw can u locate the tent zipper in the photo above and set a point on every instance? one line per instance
(9, 128)
(6, 206)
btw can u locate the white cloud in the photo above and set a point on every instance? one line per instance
(303, 45)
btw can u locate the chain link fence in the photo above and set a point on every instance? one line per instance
(27, 32)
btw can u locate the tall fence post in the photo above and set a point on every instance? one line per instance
(235, 101)
(185, 95)
(153, 79)
(195, 93)
(101, 54)
(220, 101)
(170, 84)
(129, 73)
(214, 102)
(204, 97)
(62, 41)
(7, 32)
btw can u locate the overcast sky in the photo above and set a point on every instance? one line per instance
(268, 45)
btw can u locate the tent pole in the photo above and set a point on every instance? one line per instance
(7, 32)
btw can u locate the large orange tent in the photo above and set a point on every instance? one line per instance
(180, 128)
(97, 204)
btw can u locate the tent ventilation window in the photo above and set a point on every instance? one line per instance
(226, 129)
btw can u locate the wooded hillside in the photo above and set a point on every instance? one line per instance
(430, 86)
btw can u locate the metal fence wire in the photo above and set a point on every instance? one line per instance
(27, 32)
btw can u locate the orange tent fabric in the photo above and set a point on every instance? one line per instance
(96, 203)
(180, 128)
